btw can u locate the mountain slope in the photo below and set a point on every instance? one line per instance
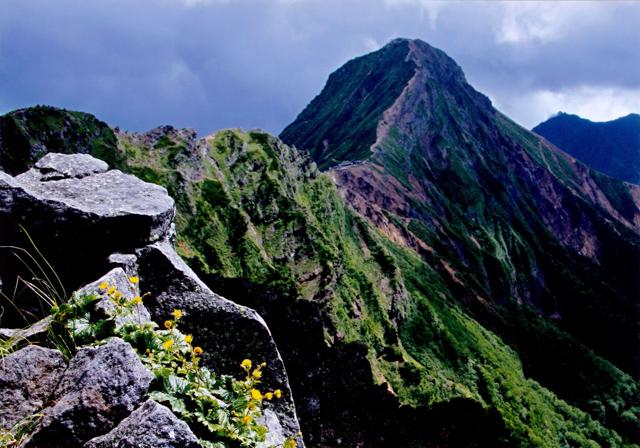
(378, 350)
(611, 147)
(529, 241)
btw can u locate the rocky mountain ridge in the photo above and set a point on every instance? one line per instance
(506, 218)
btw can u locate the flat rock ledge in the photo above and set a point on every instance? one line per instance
(66, 186)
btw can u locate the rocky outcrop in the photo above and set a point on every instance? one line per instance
(227, 332)
(98, 389)
(77, 213)
(28, 379)
(90, 223)
(150, 425)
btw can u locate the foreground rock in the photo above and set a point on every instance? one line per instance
(150, 425)
(77, 213)
(227, 332)
(100, 387)
(28, 379)
(90, 223)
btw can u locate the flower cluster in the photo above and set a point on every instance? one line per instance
(227, 408)
(123, 307)
(250, 383)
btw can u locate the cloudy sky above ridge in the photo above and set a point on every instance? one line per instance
(213, 64)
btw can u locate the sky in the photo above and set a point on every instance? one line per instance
(215, 64)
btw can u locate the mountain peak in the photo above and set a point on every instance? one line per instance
(436, 61)
(343, 122)
(509, 223)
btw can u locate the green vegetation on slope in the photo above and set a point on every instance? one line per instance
(609, 147)
(29, 134)
(516, 243)
(255, 211)
(340, 124)
(261, 213)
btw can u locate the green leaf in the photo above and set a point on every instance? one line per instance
(158, 395)
(207, 444)
(178, 405)
(240, 403)
(223, 417)
(177, 385)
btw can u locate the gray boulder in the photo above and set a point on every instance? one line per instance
(60, 166)
(275, 434)
(77, 215)
(150, 426)
(100, 387)
(28, 379)
(80, 185)
(226, 331)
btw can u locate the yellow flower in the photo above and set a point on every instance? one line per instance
(103, 285)
(118, 294)
(246, 419)
(188, 339)
(168, 324)
(268, 395)
(134, 280)
(277, 393)
(256, 374)
(255, 394)
(168, 344)
(246, 364)
(252, 406)
(197, 351)
(137, 300)
(290, 444)
(111, 290)
(177, 313)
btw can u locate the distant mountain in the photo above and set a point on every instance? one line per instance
(452, 279)
(611, 147)
(28, 134)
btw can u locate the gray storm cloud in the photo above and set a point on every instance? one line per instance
(216, 64)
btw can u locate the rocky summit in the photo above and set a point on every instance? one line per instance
(428, 272)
